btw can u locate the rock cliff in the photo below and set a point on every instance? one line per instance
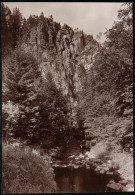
(66, 53)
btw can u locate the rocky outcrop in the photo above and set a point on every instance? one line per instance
(66, 53)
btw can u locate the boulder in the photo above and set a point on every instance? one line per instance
(109, 173)
(86, 154)
(123, 182)
(114, 187)
(111, 181)
(63, 166)
(102, 171)
(109, 166)
(115, 167)
(97, 161)
(87, 167)
(73, 156)
(103, 165)
(96, 170)
(70, 165)
(109, 161)
(78, 162)
(76, 166)
(124, 189)
(81, 156)
(105, 168)
(55, 165)
(130, 187)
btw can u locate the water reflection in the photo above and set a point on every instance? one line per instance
(79, 180)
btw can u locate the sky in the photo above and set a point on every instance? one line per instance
(92, 18)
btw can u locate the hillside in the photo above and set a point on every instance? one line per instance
(60, 85)
(58, 51)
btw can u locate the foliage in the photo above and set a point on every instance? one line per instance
(119, 55)
(125, 164)
(28, 77)
(17, 25)
(53, 126)
(108, 90)
(12, 24)
(9, 79)
(6, 29)
(42, 117)
(25, 171)
(11, 114)
(44, 114)
(10, 106)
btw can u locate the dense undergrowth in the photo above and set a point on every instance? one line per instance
(117, 131)
(25, 170)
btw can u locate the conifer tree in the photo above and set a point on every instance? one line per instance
(7, 39)
(17, 25)
(54, 126)
(27, 97)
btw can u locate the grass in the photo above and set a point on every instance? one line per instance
(26, 171)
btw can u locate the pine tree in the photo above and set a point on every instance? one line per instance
(27, 97)
(7, 39)
(17, 26)
(54, 126)
(9, 79)
(120, 47)
(42, 16)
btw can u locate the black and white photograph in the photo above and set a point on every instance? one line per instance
(67, 97)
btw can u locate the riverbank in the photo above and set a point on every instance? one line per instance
(110, 162)
(115, 165)
(110, 170)
(112, 140)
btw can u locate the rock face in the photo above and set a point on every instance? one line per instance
(66, 53)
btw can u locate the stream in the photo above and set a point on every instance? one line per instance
(71, 180)
(73, 176)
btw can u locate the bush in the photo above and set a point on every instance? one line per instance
(125, 163)
(100, 151)
(25, 171)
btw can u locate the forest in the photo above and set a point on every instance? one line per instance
(60, 88)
